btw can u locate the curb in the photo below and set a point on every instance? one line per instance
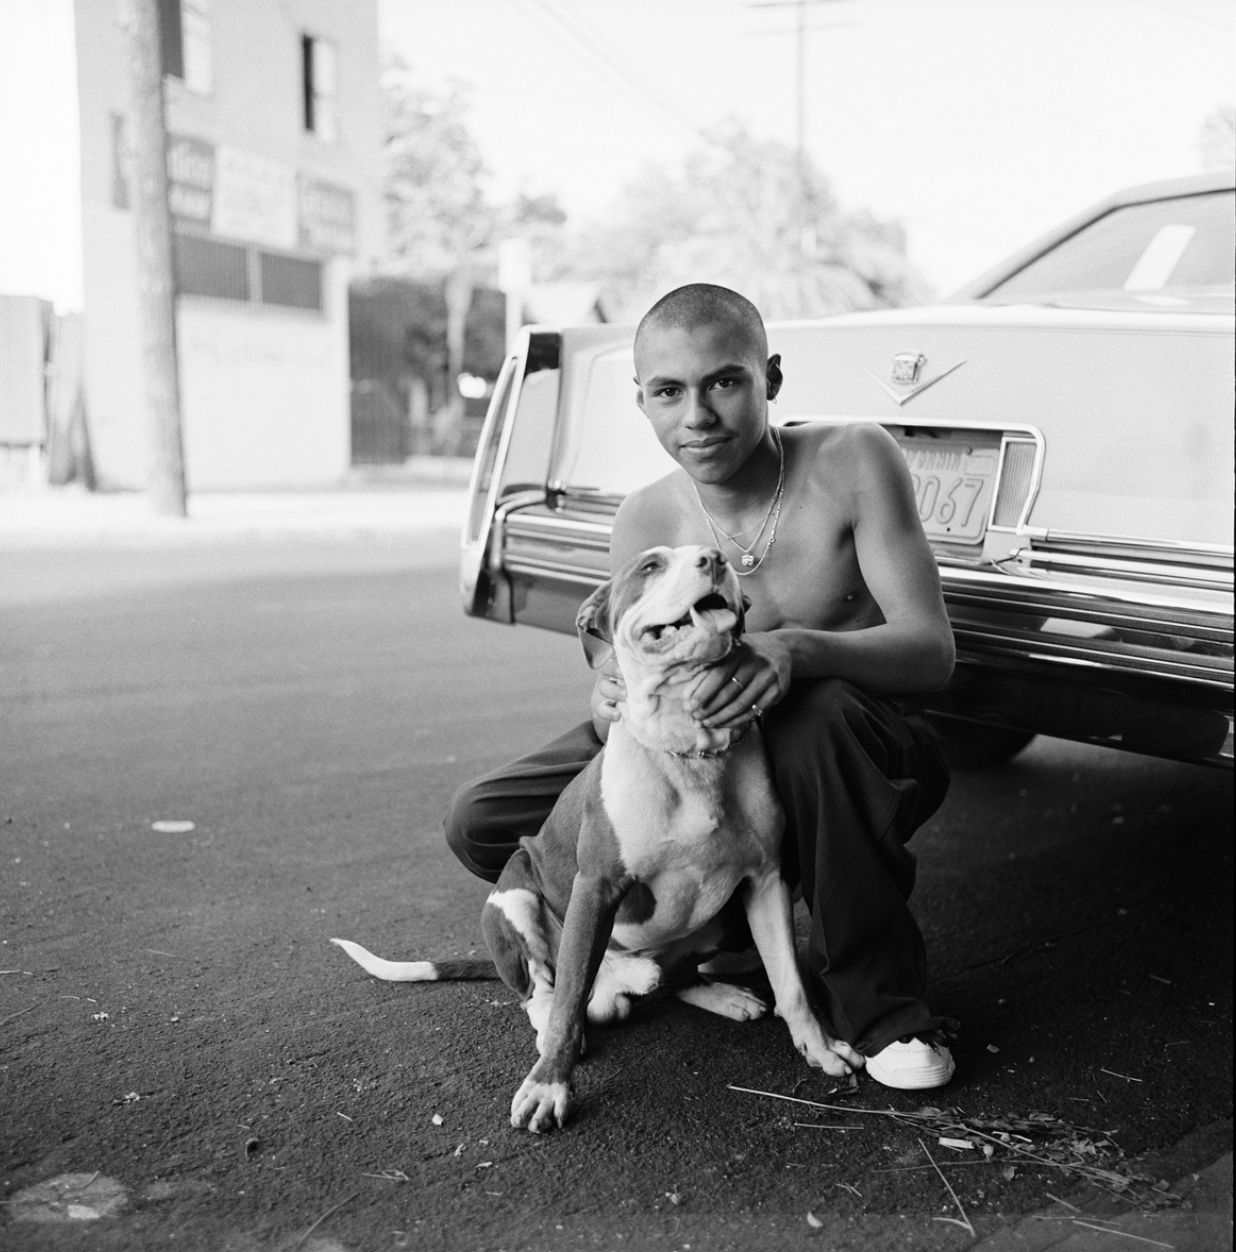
(70, 517)
(1201, 1223)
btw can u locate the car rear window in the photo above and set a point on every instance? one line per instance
(1187, 243)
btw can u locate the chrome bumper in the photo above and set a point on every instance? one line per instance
(1083, 638)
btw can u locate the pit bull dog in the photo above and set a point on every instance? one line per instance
(625, 888)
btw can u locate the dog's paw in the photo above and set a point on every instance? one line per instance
(725, 999)
(609, 1009)
(539, 1106)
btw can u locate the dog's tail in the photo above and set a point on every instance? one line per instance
(416, 971)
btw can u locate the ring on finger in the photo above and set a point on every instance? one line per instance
(756, 711)
(736, 681)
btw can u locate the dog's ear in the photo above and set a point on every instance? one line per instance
(593, 626)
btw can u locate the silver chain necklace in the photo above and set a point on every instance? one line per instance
(749, 562)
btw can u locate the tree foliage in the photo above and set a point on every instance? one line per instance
(738, 210)
(742, 212)
(437, 212)
(1217, 138)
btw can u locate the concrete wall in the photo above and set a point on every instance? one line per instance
(264, 388)
(266, 400)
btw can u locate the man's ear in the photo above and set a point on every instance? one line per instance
(639, 397)
(593, 626)
(773, 375)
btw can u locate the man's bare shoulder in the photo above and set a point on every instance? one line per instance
(844, 447)
(847, 461)
(649, 516)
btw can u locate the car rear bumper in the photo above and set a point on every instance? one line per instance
(1090, 639)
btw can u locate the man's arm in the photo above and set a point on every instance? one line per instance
(911, 650)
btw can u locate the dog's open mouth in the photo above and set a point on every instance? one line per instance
(711, 612)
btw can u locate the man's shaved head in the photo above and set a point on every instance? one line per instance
(704, 304)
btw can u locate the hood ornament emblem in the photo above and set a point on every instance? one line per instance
(907, 366)
(907, 377)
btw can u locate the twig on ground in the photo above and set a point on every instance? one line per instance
(4, 1021)
(965, 1221)
(1038, 1139)
(300, 1243)
(909, 1169)
(818, 1126)
(1109, 1230)
(815, 1104)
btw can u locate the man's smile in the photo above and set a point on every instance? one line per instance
(705, 445)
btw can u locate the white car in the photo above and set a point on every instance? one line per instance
(1067, 420)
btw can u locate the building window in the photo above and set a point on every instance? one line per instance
(290, 281)
(184, 35)
(208, 267)
(320, 87)
(233, 271)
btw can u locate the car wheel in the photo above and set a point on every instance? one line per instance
(973, 745)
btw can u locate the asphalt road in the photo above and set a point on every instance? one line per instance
(179, 1038)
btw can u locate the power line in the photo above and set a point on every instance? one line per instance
(574, 34)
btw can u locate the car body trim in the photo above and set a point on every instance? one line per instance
(902, 395)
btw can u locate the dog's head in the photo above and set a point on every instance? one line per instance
(665, 607)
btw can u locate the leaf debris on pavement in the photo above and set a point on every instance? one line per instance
(1036, 1139)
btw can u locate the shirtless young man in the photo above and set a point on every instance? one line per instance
(846, 616)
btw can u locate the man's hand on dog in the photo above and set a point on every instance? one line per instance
(756, 677)
(609, 693)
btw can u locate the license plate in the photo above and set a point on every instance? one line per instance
(953, 483)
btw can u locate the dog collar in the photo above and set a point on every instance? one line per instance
(708, 754)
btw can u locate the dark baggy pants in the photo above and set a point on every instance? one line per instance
(856, 777)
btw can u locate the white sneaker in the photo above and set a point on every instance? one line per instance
(912, 1064)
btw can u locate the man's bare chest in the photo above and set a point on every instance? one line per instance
(809, 576)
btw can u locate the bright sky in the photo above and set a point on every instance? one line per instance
(40, 228)
(977, 123)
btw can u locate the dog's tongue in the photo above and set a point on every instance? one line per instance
(718, 620)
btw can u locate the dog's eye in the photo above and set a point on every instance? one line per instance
(650, 566)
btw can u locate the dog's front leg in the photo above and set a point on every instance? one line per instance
(544, 1099)
(769, 915)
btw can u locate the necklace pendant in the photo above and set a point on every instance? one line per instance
(748, 559)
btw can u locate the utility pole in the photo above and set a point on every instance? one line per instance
(806, 201)
(165, 474)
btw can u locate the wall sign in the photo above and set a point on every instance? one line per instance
(255, 199)
(327, 217)
(190, 179)
(236, 195)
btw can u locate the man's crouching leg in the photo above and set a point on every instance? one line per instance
(856, 778)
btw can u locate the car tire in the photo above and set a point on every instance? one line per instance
(974, 745)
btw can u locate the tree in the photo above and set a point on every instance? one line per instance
(1217, 139)
(741, 211)
(437, 213)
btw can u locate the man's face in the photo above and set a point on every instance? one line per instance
(705, 390)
